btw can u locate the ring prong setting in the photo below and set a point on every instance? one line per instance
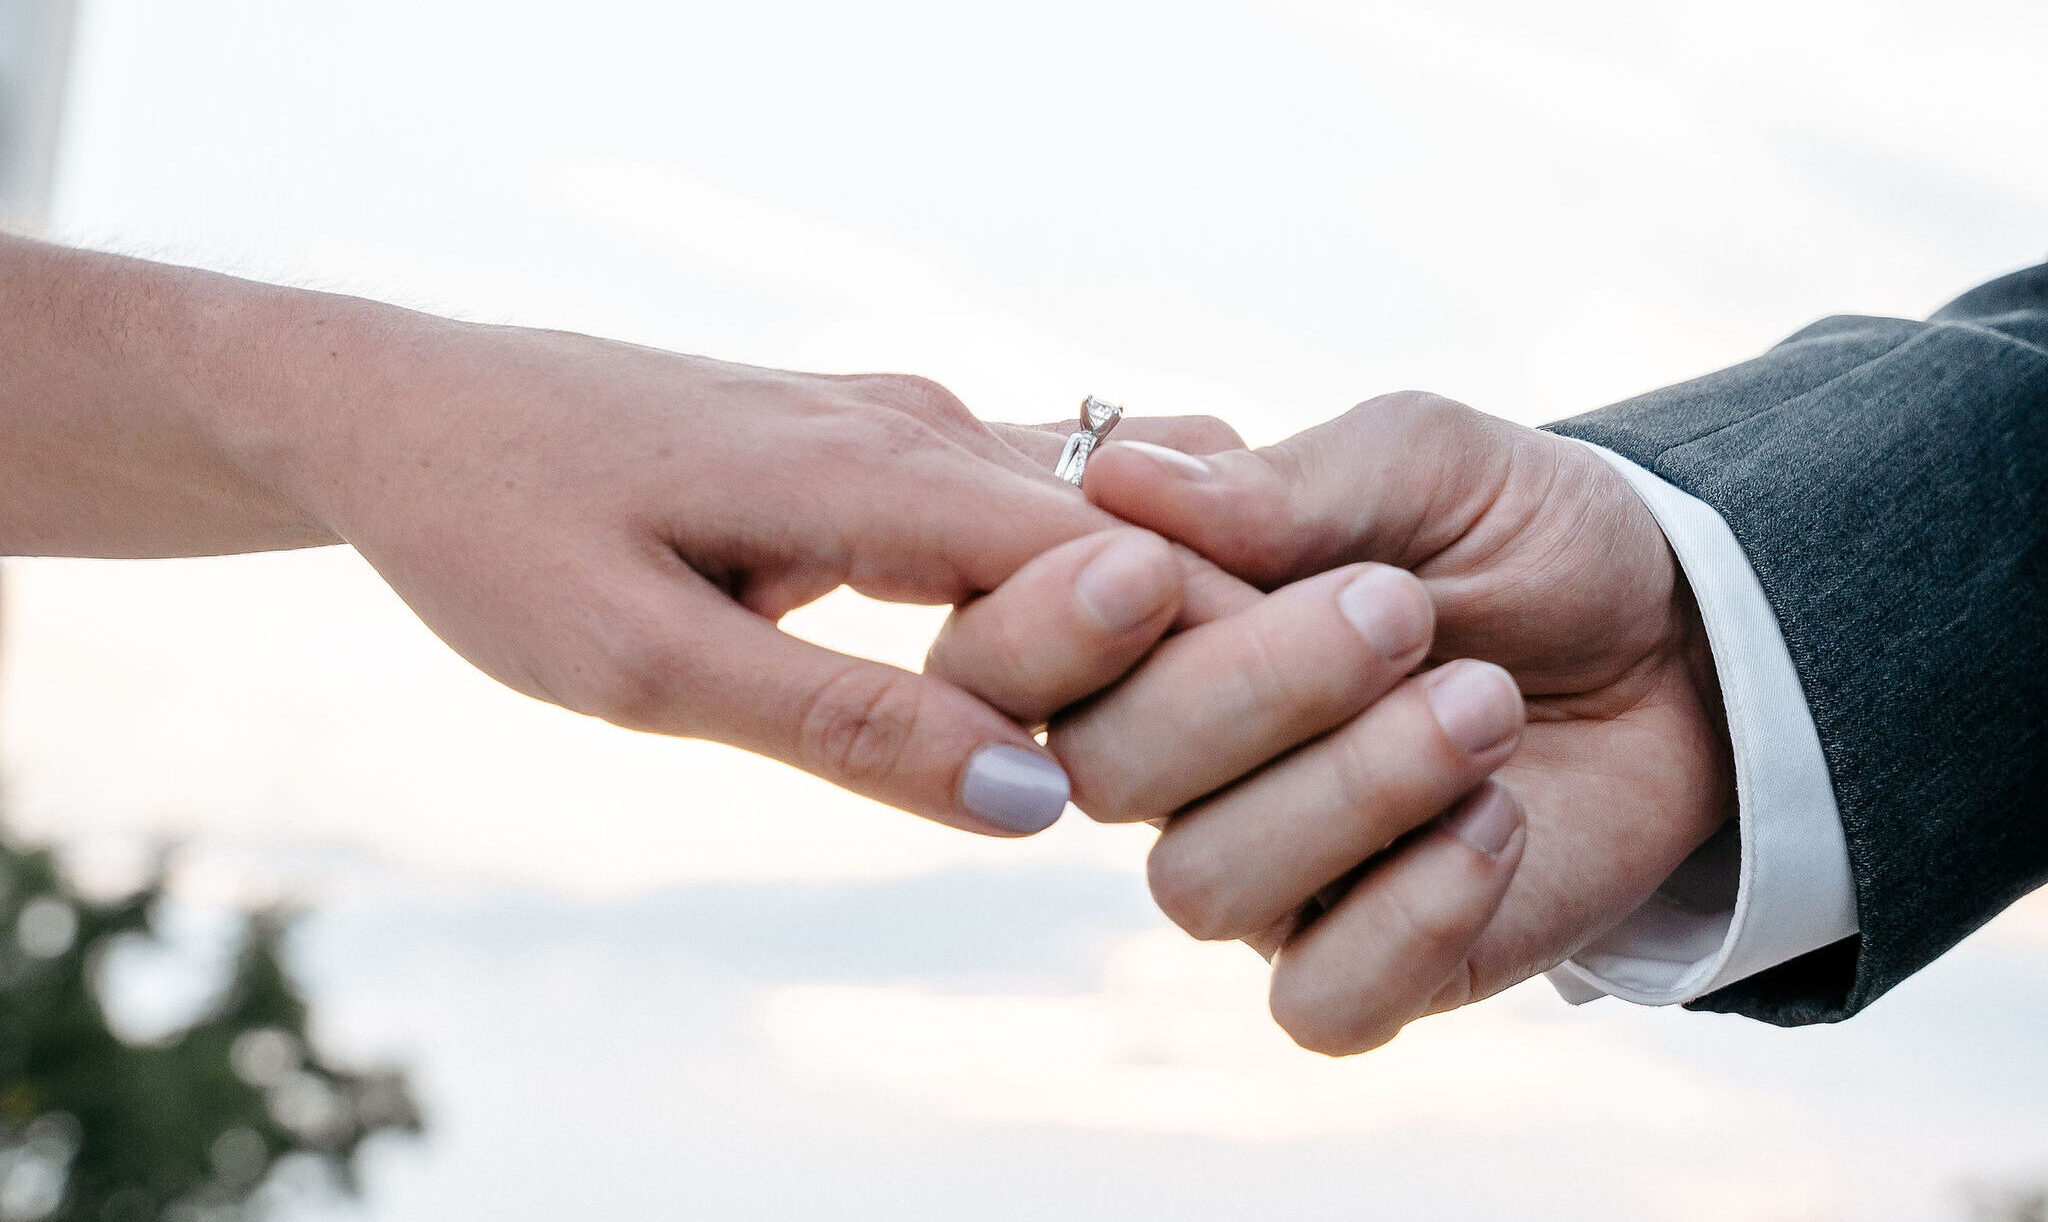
(1098, 416)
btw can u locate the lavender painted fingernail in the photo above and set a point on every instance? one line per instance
(1013, 788)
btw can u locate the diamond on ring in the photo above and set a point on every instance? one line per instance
(1097, 418)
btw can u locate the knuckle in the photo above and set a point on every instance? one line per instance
(1220, 433)
(1460, 990)
(857, 726)
(1106, 784)
(1426, 424)
(1008, 649)
(1187, 883)
(1206, 435)
(1275, 671)
(1283, 511)
(995, 656)
(1257, 538)
(1261, 671)
(1356, 771)
(918, 395)
(1427, 933)
(1413, 408)
(1103, 790)
(1316, 485)
(896, 435)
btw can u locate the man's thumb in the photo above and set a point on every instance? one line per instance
(1394, 480)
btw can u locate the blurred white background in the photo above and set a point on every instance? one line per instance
(644, 979)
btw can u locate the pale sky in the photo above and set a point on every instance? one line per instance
(664, 966)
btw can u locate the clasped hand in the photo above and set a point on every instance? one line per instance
(1460, 721)
(1418, 698)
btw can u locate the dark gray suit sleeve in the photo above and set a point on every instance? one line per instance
(1889, 482)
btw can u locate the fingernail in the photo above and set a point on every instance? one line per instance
(1184, 464)
(1014, 788)
(1389, 611)
(1127, 583)
(1486, 819)
(1476, 704)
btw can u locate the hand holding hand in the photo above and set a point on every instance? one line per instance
(1281, 743)
(1538, 557)
(1293, 759)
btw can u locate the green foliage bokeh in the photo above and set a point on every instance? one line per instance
(94, 1128)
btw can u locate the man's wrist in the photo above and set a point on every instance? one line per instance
(1777, 886)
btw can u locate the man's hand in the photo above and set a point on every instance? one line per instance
(1283, 739)
(1537, 557)
(1294, 746)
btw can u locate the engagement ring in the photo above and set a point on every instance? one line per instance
(1097, 418)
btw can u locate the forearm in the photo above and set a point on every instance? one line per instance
(148, 410)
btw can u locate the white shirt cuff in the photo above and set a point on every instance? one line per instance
(1774, 885)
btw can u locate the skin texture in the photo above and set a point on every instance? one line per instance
(1296, 772)
(611, 528)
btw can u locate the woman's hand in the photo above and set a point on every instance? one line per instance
(608, 527)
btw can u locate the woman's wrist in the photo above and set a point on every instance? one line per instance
(302, 392)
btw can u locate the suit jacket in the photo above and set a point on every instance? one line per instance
(1889, 482)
